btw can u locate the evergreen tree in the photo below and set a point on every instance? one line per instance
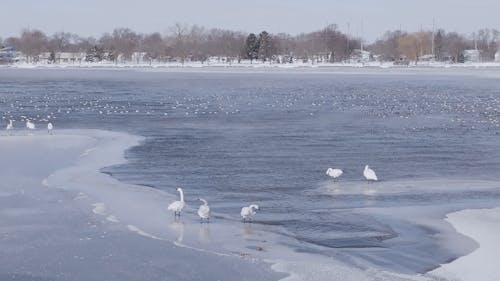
(439, 45)
(94, 54)
(251, 47)
(265, 46)
(461, 58)
(52, 57)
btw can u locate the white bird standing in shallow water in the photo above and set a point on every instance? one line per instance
(177, 206)
(10, 126)
(334, 173)
(369, 174)
(247, 212)
(50, 127)
(204, 210)
(30, 125)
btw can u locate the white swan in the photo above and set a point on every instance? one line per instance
(247, 212)
(204, 210)
(10, 126)
(334, 173)
(369, 174)
(50, 127)
(177, 206)
(30, 125)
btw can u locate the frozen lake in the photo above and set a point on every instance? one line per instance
(268, 137)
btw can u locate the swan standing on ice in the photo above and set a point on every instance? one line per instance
(177, 206)
(247, 212)
(30, 125)
(369, 174)
(334, 173)
(50, 127)
(204, 210)
(9, 128)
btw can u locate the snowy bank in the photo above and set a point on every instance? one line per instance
(483, 226)
(257, 65)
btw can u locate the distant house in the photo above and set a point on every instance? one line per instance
(61, 57)
(7, 55)
(472, 56)
(70, 57)
(138, 57)
(359, 55)
(497, 56)
(323, 57)
(428, 57)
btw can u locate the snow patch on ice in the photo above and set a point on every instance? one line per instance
(87, 151)
(99, 208)
(483, 226)
(137, 230)
(80, 196)
(112, 218)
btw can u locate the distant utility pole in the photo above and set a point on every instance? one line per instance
(433, 34)
(362, 34)
(348, 36)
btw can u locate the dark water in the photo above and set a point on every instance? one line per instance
(268, 137)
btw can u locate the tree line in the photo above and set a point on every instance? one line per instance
(195, 43)
(445, 46)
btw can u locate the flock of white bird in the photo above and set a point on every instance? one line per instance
(247, 212)
(29, 125)
(368, 173)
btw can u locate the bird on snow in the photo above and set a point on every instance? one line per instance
(369, 174)
(50, 127)
(334, 173)
(204, 210)
(249, 211)
(177, 206)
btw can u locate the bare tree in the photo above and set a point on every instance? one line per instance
(60, 41)
(454, 45)
(154, 46)
(32, 43)
(179, 32)
(415, 45)
(125, 42)
(388, 46)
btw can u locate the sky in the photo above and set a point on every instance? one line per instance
(366, 18)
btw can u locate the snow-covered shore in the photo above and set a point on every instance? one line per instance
(257, 65)
(482, 225)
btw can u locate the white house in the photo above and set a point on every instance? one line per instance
(70, 57)
(8, 55)
(359, 55)
(472, 56)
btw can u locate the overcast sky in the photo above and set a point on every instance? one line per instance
(369, 18)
